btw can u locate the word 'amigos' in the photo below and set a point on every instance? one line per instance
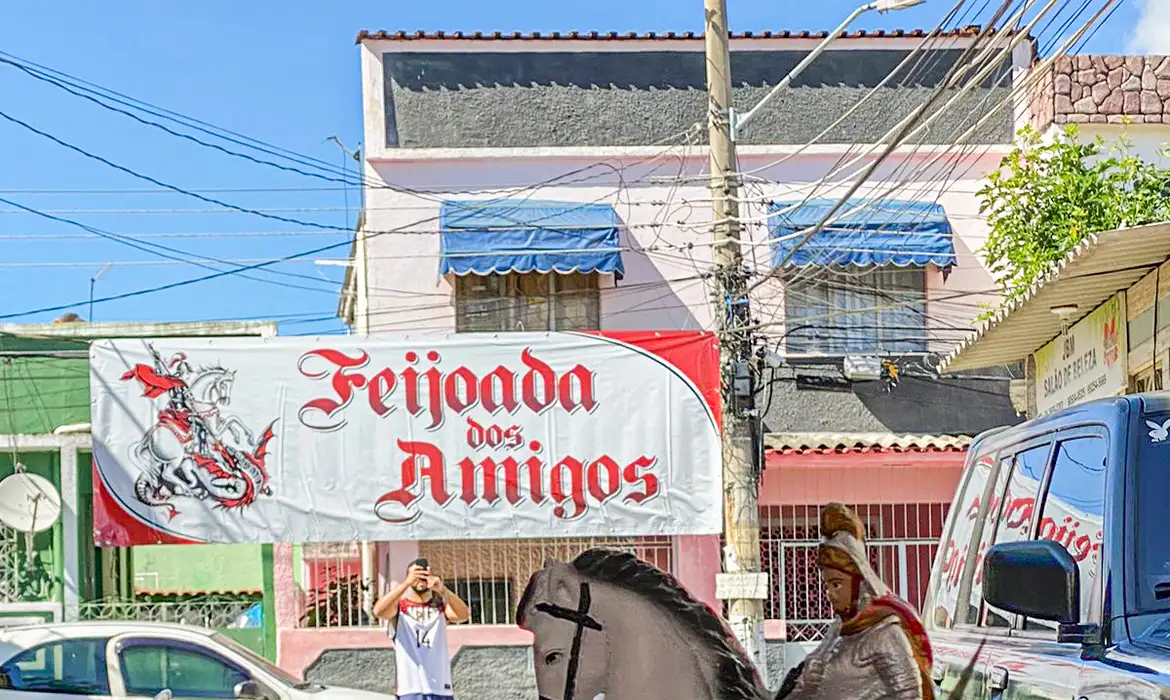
(572, 483)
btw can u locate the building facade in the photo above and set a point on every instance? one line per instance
(1110, 288)
(558, 183)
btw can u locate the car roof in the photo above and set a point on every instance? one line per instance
(1107, 410)
(26, 635)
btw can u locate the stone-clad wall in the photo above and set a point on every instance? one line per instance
(484, 673)
(1104, 90)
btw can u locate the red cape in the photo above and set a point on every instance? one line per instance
(153, 384)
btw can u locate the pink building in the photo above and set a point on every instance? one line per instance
(558, 183)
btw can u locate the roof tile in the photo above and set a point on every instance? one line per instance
(383, 35)
(830, 443)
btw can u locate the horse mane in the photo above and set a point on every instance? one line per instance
(737, 675)
(200, 369)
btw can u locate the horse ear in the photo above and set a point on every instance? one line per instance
(550, 563)
(563, 585)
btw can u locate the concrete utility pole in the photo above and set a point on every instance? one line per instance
(743, 586)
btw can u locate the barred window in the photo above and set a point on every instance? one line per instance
(527, 302)
(489, 600)
(860, 310)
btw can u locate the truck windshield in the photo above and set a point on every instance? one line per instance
(1151, 517)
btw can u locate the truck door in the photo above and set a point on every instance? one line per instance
(959, 641)
(1030, 663)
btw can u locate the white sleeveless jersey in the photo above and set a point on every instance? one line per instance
(420, 650)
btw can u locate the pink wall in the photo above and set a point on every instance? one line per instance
(393, 559)
(696, 558)
(667, 229)
(789, 479)
(299, 648)
(861, 477)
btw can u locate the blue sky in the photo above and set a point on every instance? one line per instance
(283, 72)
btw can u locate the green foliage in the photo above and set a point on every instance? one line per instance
(338, 603)
(1049, 194)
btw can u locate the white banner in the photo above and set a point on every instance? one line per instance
(513, 435)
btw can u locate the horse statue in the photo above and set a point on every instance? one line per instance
(609, 626)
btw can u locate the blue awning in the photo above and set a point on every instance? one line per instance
(501, 236)
(887, 232)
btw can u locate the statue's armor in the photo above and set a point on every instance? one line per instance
(874, 664)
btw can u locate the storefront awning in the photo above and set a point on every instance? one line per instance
(502, 236)
(887, 232)
(1101, 266)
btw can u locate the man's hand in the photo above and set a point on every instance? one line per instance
(416, 574)
(387, 607)
(435, 584)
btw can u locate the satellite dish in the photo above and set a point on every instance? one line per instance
(29, 502)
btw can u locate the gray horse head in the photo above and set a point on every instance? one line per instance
(611, 625)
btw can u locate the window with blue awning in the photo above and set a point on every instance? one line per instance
(903, 233)
(521, 236)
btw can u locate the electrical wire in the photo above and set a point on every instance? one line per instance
(244, 268)
(46, 75)
(368, 234)
(793, 280)
(913, 124)
(901, 133)
(190, 193)
(1037, 70)
(688, 248)
(158, 250)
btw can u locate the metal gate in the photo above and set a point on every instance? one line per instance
(903, 564)
(901, 539)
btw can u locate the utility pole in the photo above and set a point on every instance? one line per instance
(743, 586)
(368, 550)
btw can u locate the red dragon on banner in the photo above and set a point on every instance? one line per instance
(195, 449)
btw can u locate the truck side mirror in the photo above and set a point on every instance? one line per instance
(1036, 579)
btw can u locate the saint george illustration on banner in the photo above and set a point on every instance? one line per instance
(465, 436)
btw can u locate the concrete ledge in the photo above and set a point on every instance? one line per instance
(300, 649)
(498, 672)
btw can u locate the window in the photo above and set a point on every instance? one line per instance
(488, 600)
(527, 302)
(186, 671)
(1149, 379)
(986, 533)
(1074, 510)
(862, 310)
(1147, 530)
(1015, 520)
(958, 544)
(70, 667)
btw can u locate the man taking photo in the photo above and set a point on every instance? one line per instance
(418, 610)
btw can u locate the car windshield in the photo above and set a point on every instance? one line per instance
(267, 666)
(1151, 494)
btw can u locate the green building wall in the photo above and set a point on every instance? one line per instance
(44, 385)
(199, 567)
